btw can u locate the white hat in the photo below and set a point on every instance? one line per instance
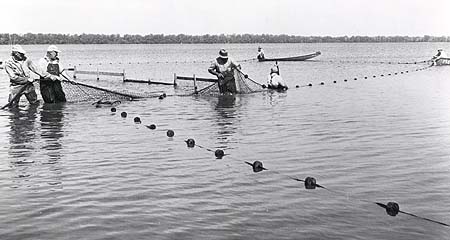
(52, 48)
(18, 48)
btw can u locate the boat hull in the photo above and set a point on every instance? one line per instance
(443, 62)
(292, 59)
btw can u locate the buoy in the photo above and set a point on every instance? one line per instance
(334, 81)
(322, 83)
(310, 183)
(297, 86)
(310, 84)
(164, 95)
(123, 114)
(392, 209)
(389, 74)
(257, 166)
(137, 120)
(219, 153)
(151, 126)
(365, 77)
(190, 142)
(170, 133)
(345, 80)
(374, 76)
(113, 109)
(355, 78)
(382, 75)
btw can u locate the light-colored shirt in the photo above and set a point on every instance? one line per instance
(19, 71)
(275, 80)
(45, 61)
(224, 69)
(261, 53)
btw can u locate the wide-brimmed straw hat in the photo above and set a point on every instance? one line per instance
(223, 53)
(18, 48)
(53, 48)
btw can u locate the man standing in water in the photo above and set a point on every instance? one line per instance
(18, 68)
(51, 90)
(224, 67)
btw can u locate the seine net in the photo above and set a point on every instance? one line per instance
(244, 85)
(80, 92)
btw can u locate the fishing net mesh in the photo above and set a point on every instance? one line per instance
(243, 83)
(80, 92)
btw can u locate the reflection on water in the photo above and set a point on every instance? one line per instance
(226, 108)
(51, 129)
(35, 141)
(22, 133)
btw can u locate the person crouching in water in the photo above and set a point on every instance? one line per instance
(51, 89)
(18, 68)
(224, 67)
(275, 81)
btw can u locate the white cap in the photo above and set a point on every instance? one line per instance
(52, 48)
(18, 48)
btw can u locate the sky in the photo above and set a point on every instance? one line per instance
(199, 17)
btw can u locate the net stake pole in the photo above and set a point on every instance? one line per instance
(98, 74)
(195, 84)
(174, 79)
(124, 76)
(74, 72)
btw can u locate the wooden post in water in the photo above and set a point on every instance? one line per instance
(74, 72)
(174, 79)
(98, 74)
(195, 84)
(124, 77)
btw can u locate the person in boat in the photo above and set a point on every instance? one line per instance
(223, 67)
(260, 53)
(440, 54)
(51, 89)
(18, 69)
(275, 81)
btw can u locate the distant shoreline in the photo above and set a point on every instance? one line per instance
(50, 38)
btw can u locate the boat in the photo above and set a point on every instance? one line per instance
(294, 59)
(443, 62)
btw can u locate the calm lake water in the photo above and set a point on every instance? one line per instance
(92, 174)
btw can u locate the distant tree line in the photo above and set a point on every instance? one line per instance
(40, 38)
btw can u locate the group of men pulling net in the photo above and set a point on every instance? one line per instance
(55, 86)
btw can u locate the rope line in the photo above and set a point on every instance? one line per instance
(153, 62)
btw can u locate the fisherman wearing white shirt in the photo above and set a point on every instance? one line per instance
(275, 81)
(260, 53)
(51, 90)
(18, 68)
(440, 54)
